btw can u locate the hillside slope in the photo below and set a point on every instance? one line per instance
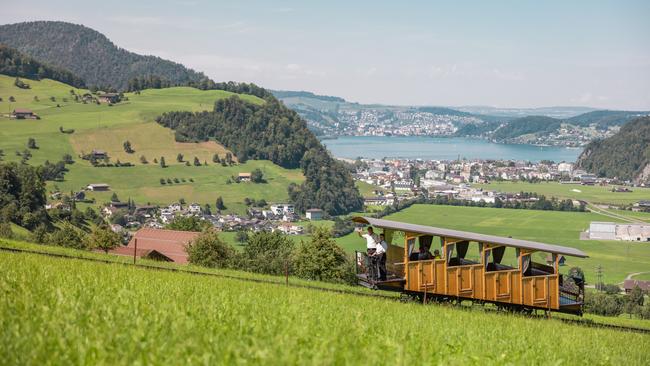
(89, 54)
(626, 155)
(14, 63)
(97, 311)
(106, 128)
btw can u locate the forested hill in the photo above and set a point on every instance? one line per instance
(527, 125)
(14, 63)
(273, 132)
(626, 155)
(280, 94)
(89, 54)
(605, 118)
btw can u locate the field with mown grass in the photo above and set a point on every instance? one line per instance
(617, 258)
(69, 311)
(104, 127)
(592, 194)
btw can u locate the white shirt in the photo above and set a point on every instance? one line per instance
(371, 240)
(382, 247)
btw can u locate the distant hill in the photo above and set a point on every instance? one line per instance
(527, 125)
(626, 155)
(444, 111)
(280, 94)
(606, 118)
(14, 63)
(89, 54)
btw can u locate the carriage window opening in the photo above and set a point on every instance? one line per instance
(457, 253)
(532, 268)
(423, 250)
(500, 259)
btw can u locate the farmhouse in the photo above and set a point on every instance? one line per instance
(282, 208)
(99, 154)
(244, 177)
(314, 214)
(98, 187)
(619, 231)
(629, 285)
(109, 98)
(167, 245)
(20, 113)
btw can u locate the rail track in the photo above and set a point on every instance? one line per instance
(287, 283)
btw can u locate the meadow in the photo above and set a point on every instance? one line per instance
(68, 311)
(617, 258)
(591, 194)
(104, 127)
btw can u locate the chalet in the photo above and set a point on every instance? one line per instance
(20, 113)
(167, 245)
(290, 229)
(244, 177)
(99, 154)
(109, 98)
(629, 285)
(282, 208)
(194, 208)
(314, 214)
(98, 187)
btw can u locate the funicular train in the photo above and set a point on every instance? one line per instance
(476, 267)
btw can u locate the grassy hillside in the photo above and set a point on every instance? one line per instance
(592, 194)
(106, 127)
(562, 228)
(111, 314)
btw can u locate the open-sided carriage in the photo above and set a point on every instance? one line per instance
(477, 267)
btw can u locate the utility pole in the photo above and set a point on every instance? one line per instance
(599, 276)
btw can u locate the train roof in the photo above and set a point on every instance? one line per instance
(466, 235)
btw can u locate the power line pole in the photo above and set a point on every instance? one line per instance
(599, 276)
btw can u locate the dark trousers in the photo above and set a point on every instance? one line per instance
(381, 263)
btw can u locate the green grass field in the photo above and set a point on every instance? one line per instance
(562, 228)
(68, 311)
(592, 194)
(106, 127)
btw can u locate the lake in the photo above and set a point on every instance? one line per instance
(436, 148)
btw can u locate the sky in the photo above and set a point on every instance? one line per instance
(492, 53)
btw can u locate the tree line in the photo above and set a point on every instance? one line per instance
(14, 63)
(273, 132)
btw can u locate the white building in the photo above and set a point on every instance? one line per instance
(314, 214)
(194, 208)
(619, 231)
(565, 168)
(282, 208)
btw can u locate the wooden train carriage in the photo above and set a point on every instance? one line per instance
(476, 267)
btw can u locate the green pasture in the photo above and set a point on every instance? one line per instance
(592, 194)
(103, 127)
(617, 258)
(68, 311)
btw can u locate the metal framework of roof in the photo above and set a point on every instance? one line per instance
(465, 235)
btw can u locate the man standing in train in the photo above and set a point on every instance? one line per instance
(371, 246)
(380, 256)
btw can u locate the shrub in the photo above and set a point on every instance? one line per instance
(104, 239)
(68, 236)
(603, 304)
(5, 230)
(268, 253)
(187, 224)
(323, 260)
(209, 250)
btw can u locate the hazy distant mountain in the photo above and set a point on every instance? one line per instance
(284, 94)
(89, 54)
(555, 112)
(625, 155)
(604, 119)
